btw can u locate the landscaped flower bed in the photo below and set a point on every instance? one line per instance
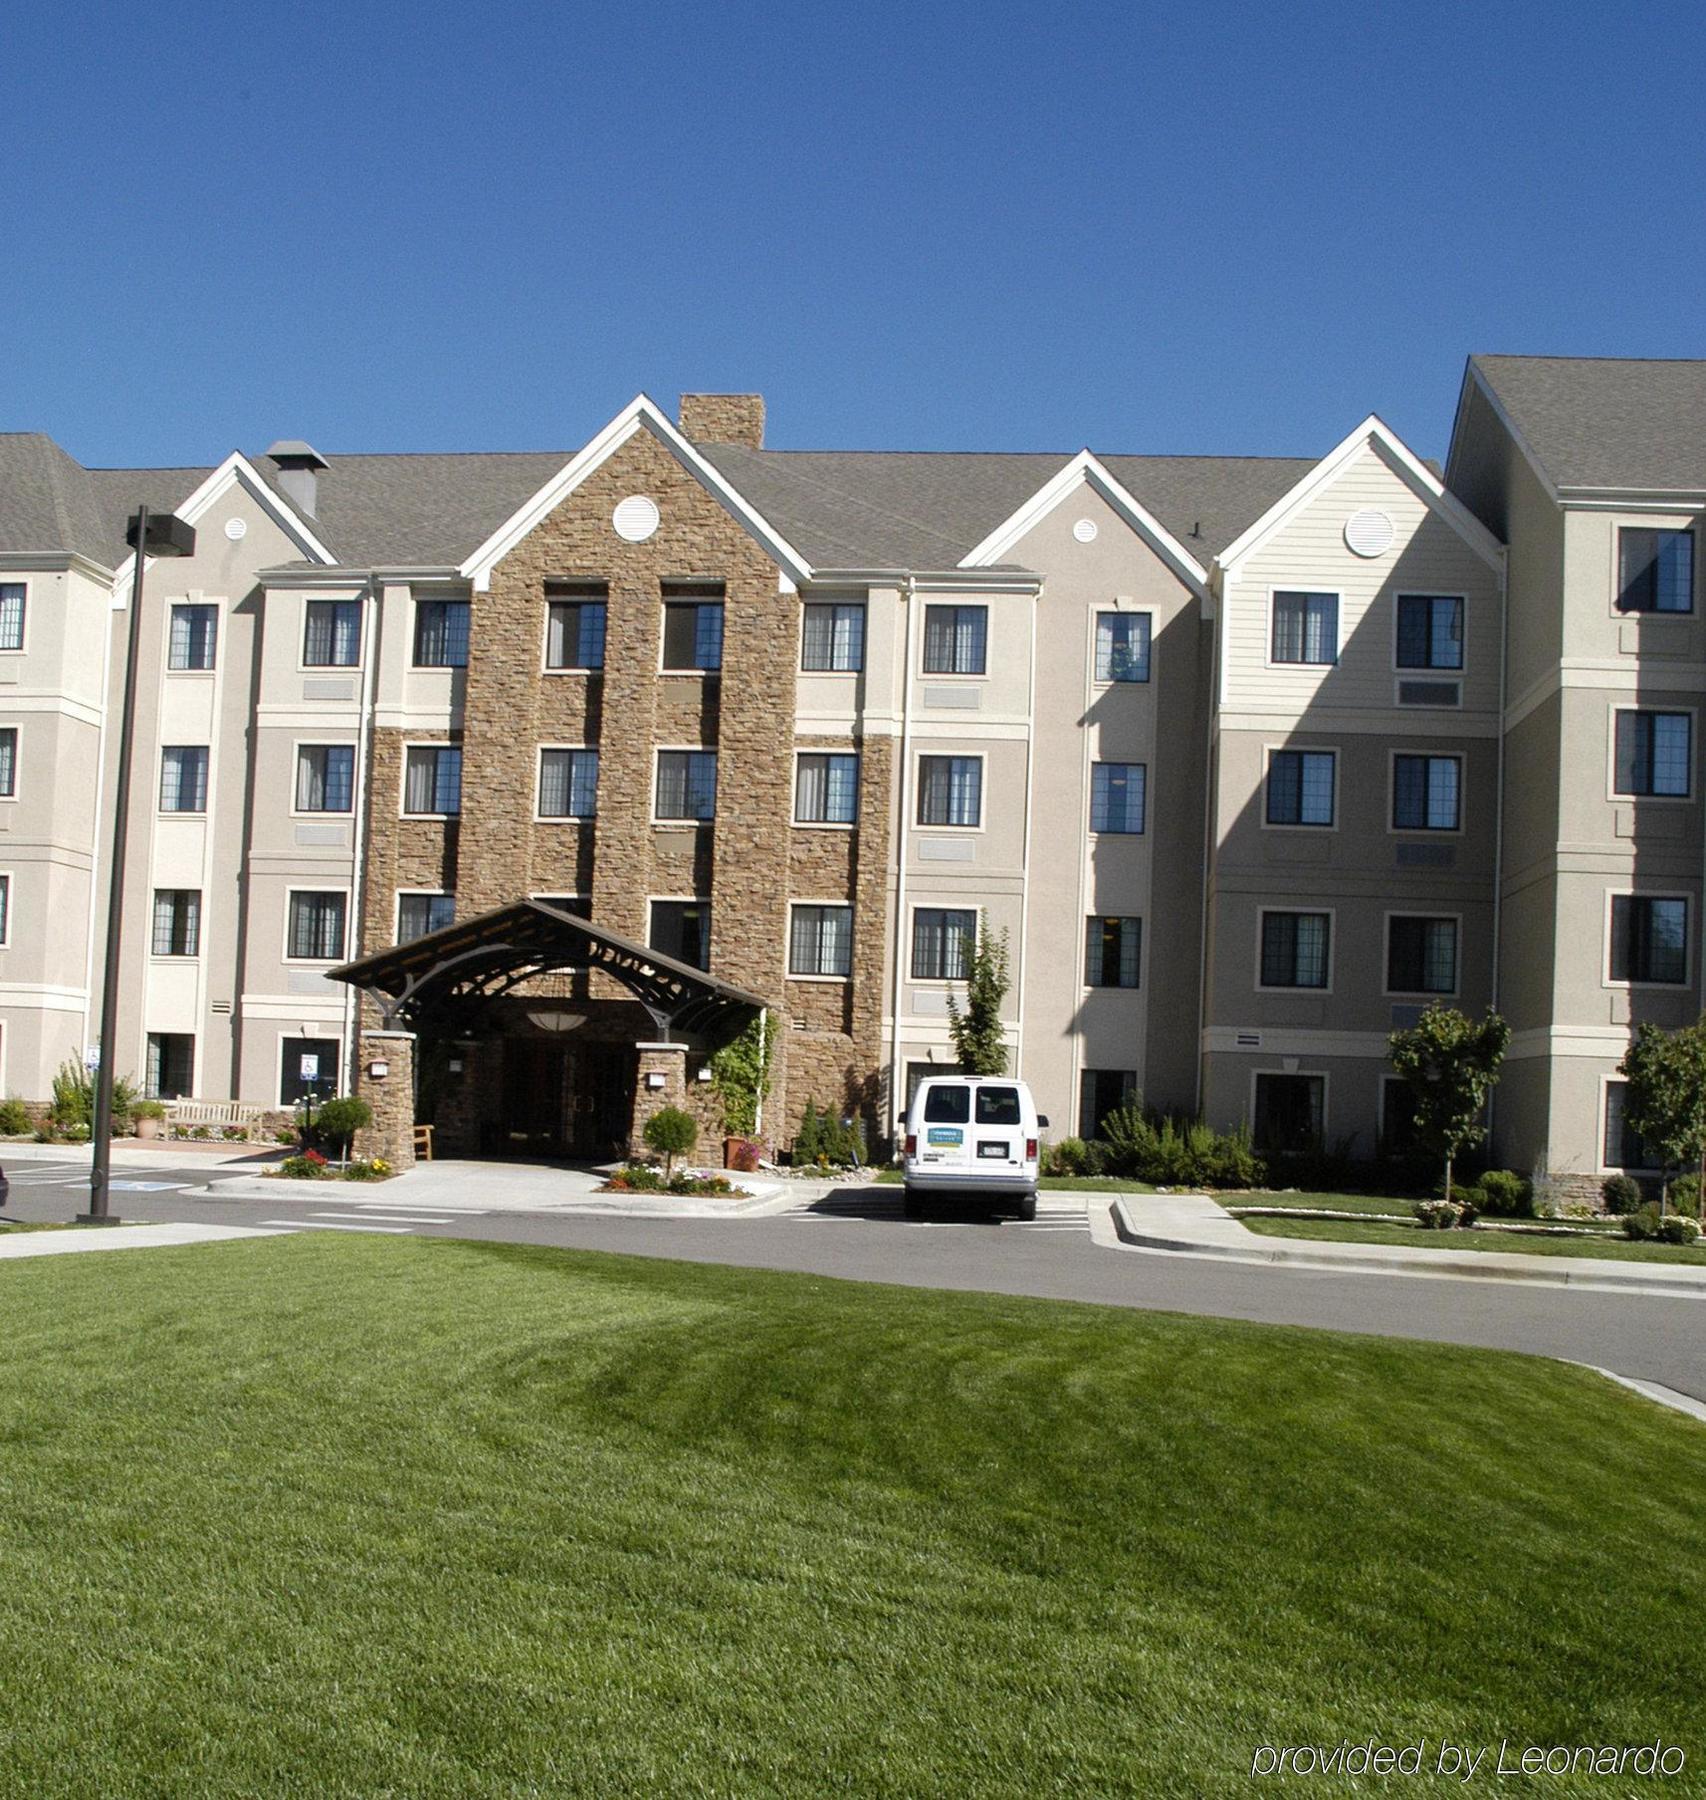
(312, 1166)
(642, 1178)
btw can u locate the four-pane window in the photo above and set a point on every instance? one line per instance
(687, 784)
(1117, 797)
(942, 942)
(1122, 646)
(1655, 570)
(417, 914)
(568, 784)
(574, 633)
(826, 788)
(325, 778)
(1295, 949)
(832, 638)
(1649, 939)
(820, 940)
(432, 780)
(193, 639)
(693, 632)
(1426, 793)
(1430, 631)
(1306, 628)
(950, 790)
(11, 615)
(1112, 956)
(331, 634)
(441, 634)
(177, 922)
(316, 931)
(1623, 1147)
(169, 1071)
(1421, 956)
(1300, 787)
(1654, 754)
(183, 778)
(956, 640)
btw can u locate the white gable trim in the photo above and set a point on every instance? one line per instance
(1373, 434)
(640, 414)
(1085, 471)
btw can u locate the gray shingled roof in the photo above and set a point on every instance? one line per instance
(46, 501)
(1607, 422)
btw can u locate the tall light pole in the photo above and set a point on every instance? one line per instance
(149, 534)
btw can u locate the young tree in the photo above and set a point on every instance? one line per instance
(671, 1133)
(980, 1043)
(1666, 1101)
(1450, 1064)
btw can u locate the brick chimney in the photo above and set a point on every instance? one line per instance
(723, 419)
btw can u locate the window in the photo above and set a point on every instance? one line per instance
(921, 1071)
(1300, 787)
(194, 636)
(833, 636)
(309, 1066)
(325, 778)
(9, 763)
(1295, 949)
(826, 788)
(1425, 793)
(1290, 1112)
(950, 790)
(1116, 797)
(1306, 628)
(693, 631)
(417, 914)
(316, 927)
(956, 639)
(5, 909)
(820, 941)
(1100, 1092)
(942, 940)
(1430, 631)
(183, 778)
(574, 633)
(682, 929)
(1654, 754)
(432, 780)
(1655, 571)
(1649, 939)
(1421, 956)
(568, 784)
(169, 1073)
(1397, 1117)
(1111, 957)
(687, 784)
(331, 634)
(441, 634)
(177, 922)
(1122, 646)
(1622, 1146)
(11, 615)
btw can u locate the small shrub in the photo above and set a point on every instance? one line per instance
(235, 1134)
(1643, 1222)
(79, 1132)
(1678, 1228)
(1621, 1194)
(372, 1169)
(822, 1140)
(635, 1178)
(1684, 1195)
(14, 1118)
(310, 1166)
(1097, 1158)
(1068, 1157)
(1437, 1215)
(671, 1133)
(337, 1121)
(1506, 1195)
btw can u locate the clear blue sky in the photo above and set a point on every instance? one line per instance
(1181, 227)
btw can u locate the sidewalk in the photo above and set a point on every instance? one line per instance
(121, 1237)
(1192, 1225)
(129, 1153)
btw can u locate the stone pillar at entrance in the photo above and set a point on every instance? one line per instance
(391, 1094)
(661, 1081)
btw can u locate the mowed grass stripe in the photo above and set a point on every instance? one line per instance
(328, 1515)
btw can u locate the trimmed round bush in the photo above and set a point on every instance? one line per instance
(1621, 1194)
(1506, 1195)
(671, 1133)
(1685, 1195)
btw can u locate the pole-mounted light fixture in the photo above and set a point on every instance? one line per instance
(148, 534)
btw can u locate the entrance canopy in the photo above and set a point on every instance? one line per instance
(447, 979)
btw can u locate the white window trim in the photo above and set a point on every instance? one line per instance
(687, 824)
(982, 606)
(9, 580)
(1612, 794)
(1619, 524)
(932, 981)
(1454, 992)
(864, 605)
(1428, 833)
(1107, 987)
(546, 666)
(1686, 984)
(322, 1034)
(1426, 672)
(411, 893)
(677, 900)
(545, 818)
(1601, 1166)
(978, 756)
(194, 1037)
(665, 602)
(317, 962)
(331, 671)
(1332, 916)
(171, 958)
(417, 600)
(9, 878)
(17, 732)
(410, 744)
(1117, 611)
(297, 746)
(852, 824)
(1268, 753)
(176, 600)
(179, 812)
(845, 906)
(1324, 1076)
(1303, 668)
(1092, 830)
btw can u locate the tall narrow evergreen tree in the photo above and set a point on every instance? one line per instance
(980, 1041)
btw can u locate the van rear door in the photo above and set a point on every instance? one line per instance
(944, 1130)
(998, 1126)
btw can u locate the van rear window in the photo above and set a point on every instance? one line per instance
(997, 1106)
(947, 1106)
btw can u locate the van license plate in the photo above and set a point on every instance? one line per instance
(945, 1134)
(996, 1150)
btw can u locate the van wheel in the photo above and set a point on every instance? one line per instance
(1028, 1209)
(911, 1205)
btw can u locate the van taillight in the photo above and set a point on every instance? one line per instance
(1030, 1149)
(911, 1144)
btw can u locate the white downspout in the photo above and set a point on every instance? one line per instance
(902, 937)
(1025, 865)
(358, 876)
(1210, 734)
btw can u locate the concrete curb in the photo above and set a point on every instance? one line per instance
(1590, 1273)
(395, 1191)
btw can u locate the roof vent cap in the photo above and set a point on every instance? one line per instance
(298, 466)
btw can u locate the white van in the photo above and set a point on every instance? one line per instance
(972, 1134)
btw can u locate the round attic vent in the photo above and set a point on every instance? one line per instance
(635, 519)
(1369, 532)
(1085, 531)
(236, 529)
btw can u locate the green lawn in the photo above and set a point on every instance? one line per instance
(1610, 1244)
(1364, 1203)
(319, 1516)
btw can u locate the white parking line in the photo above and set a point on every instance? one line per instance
(315, 1225)
(380, 1207)
(384, 1218)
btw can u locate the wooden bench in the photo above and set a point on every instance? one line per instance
(423, 1142)
(213, 1112)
